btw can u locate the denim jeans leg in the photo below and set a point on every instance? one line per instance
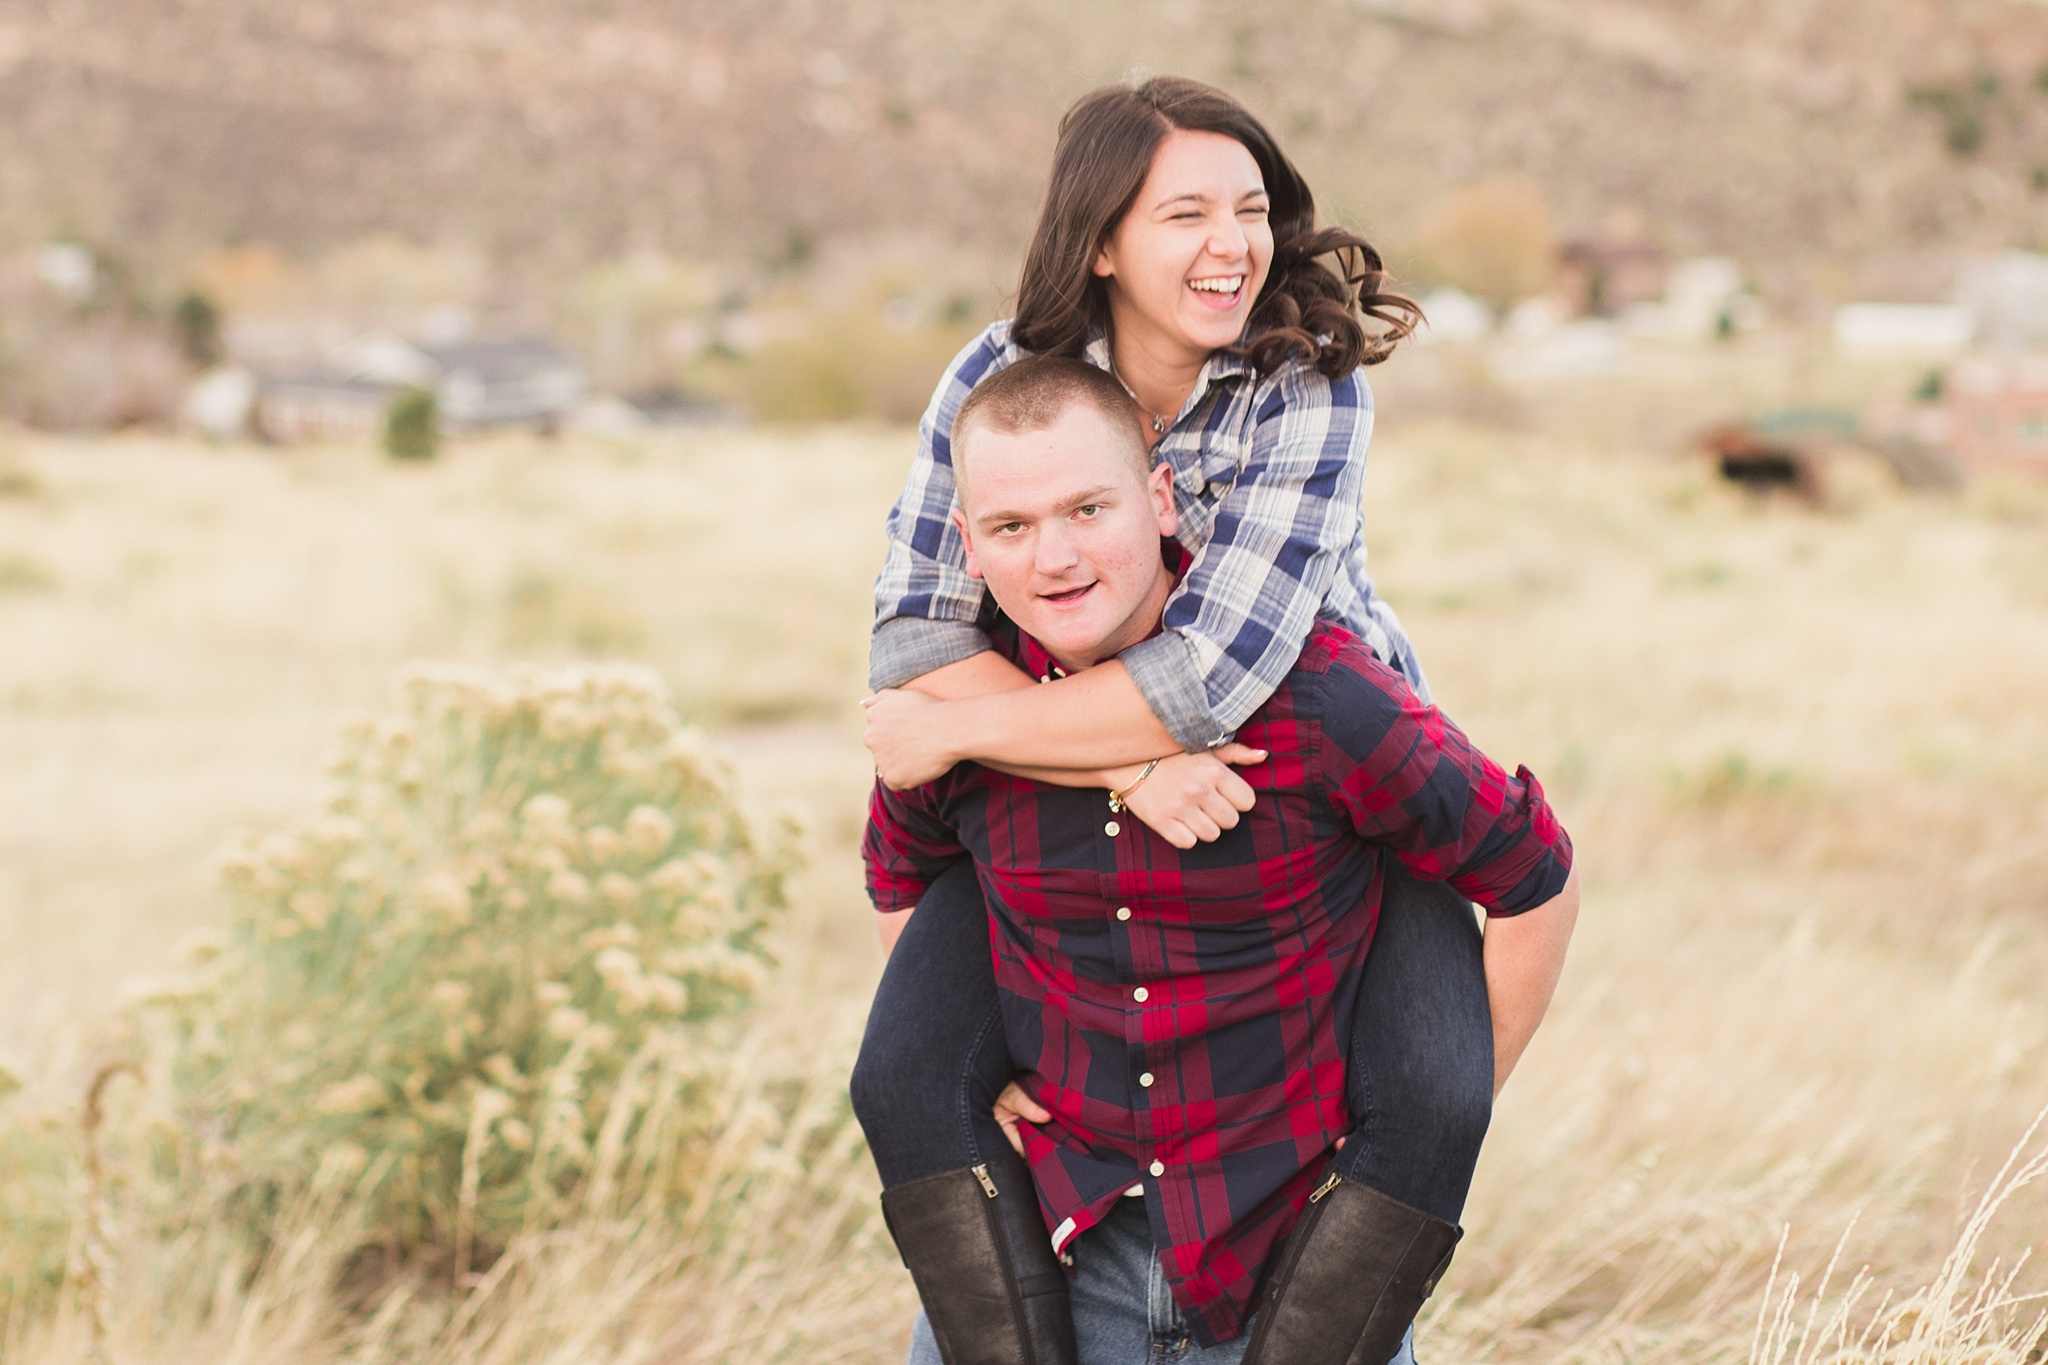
(934, 1056)
(1419, 1077)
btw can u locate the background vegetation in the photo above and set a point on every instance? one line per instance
(1801, 749)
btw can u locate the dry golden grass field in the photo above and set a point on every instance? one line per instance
(1804, 754)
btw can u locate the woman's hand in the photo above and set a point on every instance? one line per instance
(1193, 798)
(1011, 1106)
(904, 736)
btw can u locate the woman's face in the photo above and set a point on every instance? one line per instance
(1191, 255)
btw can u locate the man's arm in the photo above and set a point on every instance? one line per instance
(906, 845)
(1524, 958)
(1410, 779)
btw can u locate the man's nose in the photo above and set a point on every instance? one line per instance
(1055, 551)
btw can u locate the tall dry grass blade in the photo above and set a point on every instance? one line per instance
(94, 1271)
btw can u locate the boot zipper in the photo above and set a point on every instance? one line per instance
(1007, 1260)
(1290, 1257)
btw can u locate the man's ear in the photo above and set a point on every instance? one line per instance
(1159, 486)
(967, 541)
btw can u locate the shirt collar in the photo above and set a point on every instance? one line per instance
(1219, 366)
(1033, 657)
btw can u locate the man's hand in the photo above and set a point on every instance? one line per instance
(1012, 1105)
(903, 735)
(1193, 798)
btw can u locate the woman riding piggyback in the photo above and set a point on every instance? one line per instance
(1177, 249)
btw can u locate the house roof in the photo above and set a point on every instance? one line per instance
(497, 359)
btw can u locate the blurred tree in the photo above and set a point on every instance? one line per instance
(1494, 238)
(409, 425)
(197, 322)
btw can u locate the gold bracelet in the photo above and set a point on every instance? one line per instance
(1116, 799)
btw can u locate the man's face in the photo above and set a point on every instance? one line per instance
(1065, 531)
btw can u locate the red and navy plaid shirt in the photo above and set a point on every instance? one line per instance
(1185, 1015)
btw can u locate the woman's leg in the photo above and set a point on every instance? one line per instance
(957, 1199)
(1370, 1249)
(1421, 1067)
(933, 1058)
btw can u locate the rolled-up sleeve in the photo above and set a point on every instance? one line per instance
(927, 608)
(1409, 779)
(1236, 624)
(908, 843)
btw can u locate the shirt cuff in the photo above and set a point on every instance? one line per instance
(907, 647)
(1164, 669)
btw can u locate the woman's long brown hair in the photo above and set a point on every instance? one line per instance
(1307, 309)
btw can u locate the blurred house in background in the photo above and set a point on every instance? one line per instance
(1902, 328)
(1606, 273)
(2007, 297)
(1997, 410)
(527, 381)
(477, 385)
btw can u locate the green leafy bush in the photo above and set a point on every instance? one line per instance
(487, 965)
(409, 432)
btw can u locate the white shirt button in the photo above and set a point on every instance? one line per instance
(1112, 829)
(1158, 1168)
(1123, 912)
(1146, 1079)
(1141, 995)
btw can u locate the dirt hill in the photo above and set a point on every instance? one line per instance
(1827, 142)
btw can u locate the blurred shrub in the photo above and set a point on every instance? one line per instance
(409, 425)
(197, 323)
(1495, 239)
(867, 360)
(35, 1206)
(479, 979)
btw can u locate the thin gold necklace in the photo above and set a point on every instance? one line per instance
(1158, 422)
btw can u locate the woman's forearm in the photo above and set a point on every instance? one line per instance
(978, 675)
(1094, 720)
(989, 674)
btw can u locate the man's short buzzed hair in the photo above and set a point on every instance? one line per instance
(1034, 393)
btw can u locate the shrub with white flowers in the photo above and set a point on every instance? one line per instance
(485, 973)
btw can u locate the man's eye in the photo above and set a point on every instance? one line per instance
(1009, 528)
(1088, 509)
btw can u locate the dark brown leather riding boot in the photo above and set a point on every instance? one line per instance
(1352, 1276)
(974, 1243)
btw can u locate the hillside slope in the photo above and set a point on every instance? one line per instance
(557, 130)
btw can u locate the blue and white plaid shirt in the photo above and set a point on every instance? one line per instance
(1268, 476)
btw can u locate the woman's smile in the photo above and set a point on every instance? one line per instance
(1221, 292)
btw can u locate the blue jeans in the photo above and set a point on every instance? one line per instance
(1419, 1079)
(1123, 1312)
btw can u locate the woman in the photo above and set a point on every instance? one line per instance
(1177, 248)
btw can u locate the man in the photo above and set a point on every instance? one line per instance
(1179, 1017)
